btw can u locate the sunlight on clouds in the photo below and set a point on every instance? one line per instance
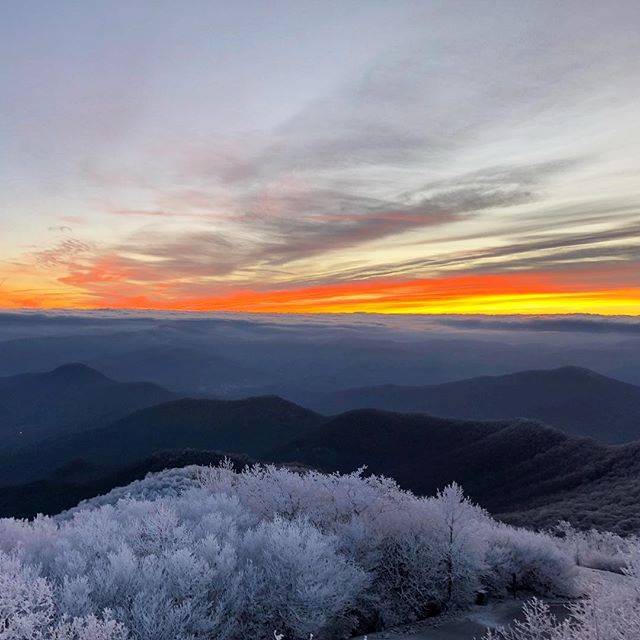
(429, 153)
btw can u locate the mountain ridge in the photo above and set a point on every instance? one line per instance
(68, 398)
(251, 426)
(515, 468)
(519, 468)
(577, 400)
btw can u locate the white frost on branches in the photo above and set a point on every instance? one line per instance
(610, 611)
(200, 553)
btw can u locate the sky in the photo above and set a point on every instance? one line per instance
(305, 157)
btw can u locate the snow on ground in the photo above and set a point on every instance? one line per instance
(475, 622)
(467, 626)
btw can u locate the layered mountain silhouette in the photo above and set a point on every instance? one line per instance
(512, 468)
(523, 470)
(73, 397)
(184, 368)
(253, 426)
(578, 401)
(131, 356)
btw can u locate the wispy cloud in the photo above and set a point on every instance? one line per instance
(501, 143)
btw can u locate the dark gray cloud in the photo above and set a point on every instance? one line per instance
(307, 235)
(566, 324)
(196, 253)
(302, 224)
(547, 252)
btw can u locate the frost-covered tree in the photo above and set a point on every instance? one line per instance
(304, 585)
(28, 610)
(596, 549)
(459, 543)
(26, 601)
(518, 560)
(200, 553)
(609, 611)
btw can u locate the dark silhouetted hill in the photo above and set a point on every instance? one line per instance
(251, 426)
(73, 397)
(520, 469)
(578, 401)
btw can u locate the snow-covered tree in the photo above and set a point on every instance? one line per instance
(523, 561)
(201, 553)
(28, 610)
(26, 601)
(459, 543)
(609, 611)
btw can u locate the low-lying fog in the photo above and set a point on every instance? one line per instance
(231, 355)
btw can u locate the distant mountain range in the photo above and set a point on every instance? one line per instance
(525, 471)
(578, 401)
(131, 356)
(73, 397)
(253, 426)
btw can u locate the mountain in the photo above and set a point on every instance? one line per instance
(181, 368)
(521, 470)
(166, 358)
(605, 495)
(251, 426)
(34, 406)
(578, 401)
(79, 480)
(515, 468)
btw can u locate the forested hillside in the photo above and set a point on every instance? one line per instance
(73, 397)
(578, 401)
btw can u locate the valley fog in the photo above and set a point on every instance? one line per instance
(230, 355)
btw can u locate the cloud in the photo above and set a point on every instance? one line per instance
(593, 324)
(286, 225)
(431, 99)
(61, 254)
(614, 245)
(198, 253)
(292, 222)
(362, 164)
(308, 234)
(447, 153)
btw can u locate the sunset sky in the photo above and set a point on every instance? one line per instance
(409, 157)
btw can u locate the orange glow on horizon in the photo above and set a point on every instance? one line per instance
(499, 294)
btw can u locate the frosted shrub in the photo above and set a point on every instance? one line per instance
(460, 543)
(422, 554)
(26, 601)
(236, 555)
(603, 615)
(520, 560)
(610, 611)
(303, 586)
(28, 612)
(434, 561)
(596, 549)
(406, 582)
(538, 623)
(89, 628)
